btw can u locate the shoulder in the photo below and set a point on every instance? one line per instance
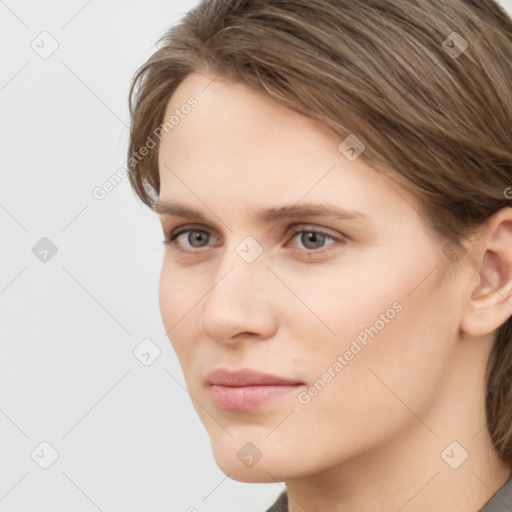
(500, 502)
(281, 504)
(502, 499)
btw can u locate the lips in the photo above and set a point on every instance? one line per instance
(244, 390)
(223, 377)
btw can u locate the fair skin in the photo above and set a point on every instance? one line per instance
(373, 437)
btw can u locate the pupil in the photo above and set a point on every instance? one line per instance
(312, 240)
(195, 238)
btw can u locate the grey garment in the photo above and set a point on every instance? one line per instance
(501, 501)
(280, 505)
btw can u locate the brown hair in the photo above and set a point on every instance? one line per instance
(424, 84)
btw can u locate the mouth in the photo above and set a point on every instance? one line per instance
(245, 390)
(246, 398)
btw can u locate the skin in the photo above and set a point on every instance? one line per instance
(373, 437)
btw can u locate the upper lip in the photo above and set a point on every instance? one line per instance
(246, 377)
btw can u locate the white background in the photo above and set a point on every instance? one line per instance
(127, 436)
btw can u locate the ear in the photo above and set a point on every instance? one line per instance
(490, 303)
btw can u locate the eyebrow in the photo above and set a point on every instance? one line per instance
(269, 215)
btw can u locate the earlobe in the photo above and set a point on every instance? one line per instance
(490, 302)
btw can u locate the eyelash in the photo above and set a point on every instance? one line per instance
(294, 232)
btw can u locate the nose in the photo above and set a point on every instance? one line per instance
(240, 304)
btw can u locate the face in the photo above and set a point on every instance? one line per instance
(289, 259)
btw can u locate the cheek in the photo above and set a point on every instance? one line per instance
(180, 292)
(384, 388)
(392, 323)
(393, 359)
(179, 300)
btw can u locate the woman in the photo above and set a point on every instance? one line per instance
(333, 179)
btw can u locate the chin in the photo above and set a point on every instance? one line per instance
(238, 465)
(252, 476)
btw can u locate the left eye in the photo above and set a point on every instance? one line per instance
(311, 239)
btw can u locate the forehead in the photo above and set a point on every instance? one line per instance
(233, 116)
(242, 145)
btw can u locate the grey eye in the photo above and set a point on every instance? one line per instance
(197, 238)
(312, 239)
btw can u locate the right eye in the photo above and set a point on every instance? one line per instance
(189, 238)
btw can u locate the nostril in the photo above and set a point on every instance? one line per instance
(246, 334)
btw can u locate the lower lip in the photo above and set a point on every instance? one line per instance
(245, 398)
